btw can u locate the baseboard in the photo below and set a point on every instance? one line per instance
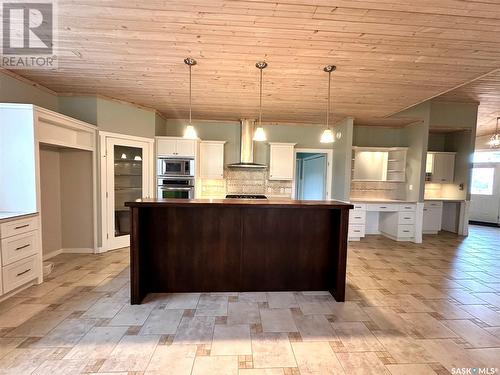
(484, 224)
(52, 254)
(78, 250)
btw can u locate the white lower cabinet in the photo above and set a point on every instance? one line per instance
(396, 221)
(433, 214)
(20, 253)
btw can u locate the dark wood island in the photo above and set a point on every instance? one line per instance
(235, 245)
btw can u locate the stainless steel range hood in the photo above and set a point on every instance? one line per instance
(246, 146)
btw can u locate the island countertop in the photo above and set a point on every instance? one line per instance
(275, 203)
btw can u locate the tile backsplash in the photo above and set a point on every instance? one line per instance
(378, 190)
(247, 181)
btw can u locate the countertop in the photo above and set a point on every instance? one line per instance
(7, 215)
(269, 203)
(373, 200)
(445, 200)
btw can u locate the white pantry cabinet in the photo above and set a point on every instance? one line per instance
(440, 167)
(281, 161)
(175, 147)
(433, 214)
(212, 159)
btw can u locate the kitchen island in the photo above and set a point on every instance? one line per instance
(235, 245)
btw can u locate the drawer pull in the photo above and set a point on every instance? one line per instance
(406, 231)
(407, 218)
(22, 273)
(356, 231)
(22, 226)
(22, 247)
(357, 217)
(383, 207)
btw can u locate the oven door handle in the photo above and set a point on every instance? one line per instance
(179, 188)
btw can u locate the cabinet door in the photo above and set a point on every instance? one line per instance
(443, 168)
(186, 147)
(211, 160)
(432, 219)
(166, 147)
(281, 163)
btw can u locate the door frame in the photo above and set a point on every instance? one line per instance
(496, 183)
(329, 168)
(108, 243)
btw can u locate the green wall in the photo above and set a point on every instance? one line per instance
(13, 90)
(83, 108)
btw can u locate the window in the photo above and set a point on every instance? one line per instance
(482, 181)
(487, 157)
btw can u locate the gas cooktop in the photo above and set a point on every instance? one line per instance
(246, 196)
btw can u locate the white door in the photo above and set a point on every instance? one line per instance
(128, 177)
(314, 177)
(485, 193)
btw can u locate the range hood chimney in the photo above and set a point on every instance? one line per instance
(246, 146)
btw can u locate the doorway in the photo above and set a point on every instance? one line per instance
(485, 193)
(127, 173)
(312, 174)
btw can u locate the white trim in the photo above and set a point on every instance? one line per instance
(126, 136)
(52, 254)
(78, 250)
(329, 168)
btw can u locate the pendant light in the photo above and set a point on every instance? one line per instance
(190, 131)
(260, 135)
(494, 141)
(327, 136)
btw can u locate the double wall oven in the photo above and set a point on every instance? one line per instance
(175, 178)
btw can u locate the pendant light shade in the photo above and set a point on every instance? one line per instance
(260, 135)
(328, 136)
(494, 141)
(190, 131)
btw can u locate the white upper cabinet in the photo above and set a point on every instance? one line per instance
(212, 159)
(379, 164)
(440, 167)
(176, 147)
(281, 161)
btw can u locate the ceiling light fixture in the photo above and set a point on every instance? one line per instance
(494, 141)
(327, 136)
(260, 135)
(190, 131)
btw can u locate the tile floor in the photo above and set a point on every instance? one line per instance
(411, 309)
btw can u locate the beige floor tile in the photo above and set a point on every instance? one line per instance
(61, 366)
(132, 353)
(464, 297)
(410, 369)
(81, 301)
(252, 297)
(9, 344)
(484, 313)
(315, 307)
(212, 305)
(272, 350)
(348, 312)
(40, 324)
(104, 308)
(491, 298)
(98, 343)
(132, 315)
(66, 334)
(281, 300)
(488, 356)
(404, 349)
(162, 322)
(39, 290)
(258, 371)
(182, 301)
(475, 335)
(18, 314)
(362, 364)
(314, 328)
(172, 359)
(111, 284)
(231, 340)
(448, 309)
(197, 330)
(386, 319)
(356, 337)
(277, 320)
(226, 365)
(11, 302)
(427, 326)
(243, 313)
(24, 361)
(316, 358)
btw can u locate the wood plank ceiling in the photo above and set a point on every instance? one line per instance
(390, 54)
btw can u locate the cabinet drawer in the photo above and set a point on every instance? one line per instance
(406, 217)
(359, 206)
(381, 207)
(406, 231)
(11, 228)
(356, 231)
(407, 207)
(430, 204)
(16, 274)
(19, 247)
(357, 217)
